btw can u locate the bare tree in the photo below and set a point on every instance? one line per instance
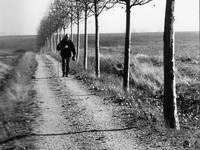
(79, 10)
(72, 16)
(170, 104)
(129, 4)
(98, 7)
(54, 21)
(86, 6)
(44, 32)
(63, 14)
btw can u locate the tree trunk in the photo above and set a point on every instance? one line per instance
(78, 35)
(57, 36)
(45, 45)
(50, 43)
(170, 104)
(127, 48)
(85, 39)
(71, 28)
(61, 37)
(78, 41)
(52, 46)
(97, 41)
(64, 30)
(78, 31)
(54, 42)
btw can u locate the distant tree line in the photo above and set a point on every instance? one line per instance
(64, 14)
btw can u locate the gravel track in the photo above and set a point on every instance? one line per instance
(71, 118)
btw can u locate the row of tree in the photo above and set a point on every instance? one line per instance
(64, 14)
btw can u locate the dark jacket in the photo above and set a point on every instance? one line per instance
(66, 47)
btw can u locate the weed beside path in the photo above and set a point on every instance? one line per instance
(14, 103)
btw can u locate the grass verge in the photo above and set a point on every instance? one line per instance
(14, 97)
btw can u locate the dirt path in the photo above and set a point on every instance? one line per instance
(71, 118)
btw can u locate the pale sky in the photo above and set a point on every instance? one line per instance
(22, 17)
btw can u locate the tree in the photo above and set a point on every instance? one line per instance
(86, 4)
(87, 7)
(170, 104)
(79, 10)
(43, 32)
(129, 4)
(70, 4)
(55, 20)
(97, 9)
(62, 15)
(74, 11)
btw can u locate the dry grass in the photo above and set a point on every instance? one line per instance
(20, 76)
(14, 91)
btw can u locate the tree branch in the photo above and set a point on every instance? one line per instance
(140, 2)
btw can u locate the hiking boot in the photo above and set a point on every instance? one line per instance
(63, 75)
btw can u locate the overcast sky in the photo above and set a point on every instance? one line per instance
(22, 17)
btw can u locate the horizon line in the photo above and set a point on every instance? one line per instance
(94, 33)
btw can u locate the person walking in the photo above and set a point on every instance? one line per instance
(67, 48)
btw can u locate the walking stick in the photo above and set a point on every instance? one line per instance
(58, 63)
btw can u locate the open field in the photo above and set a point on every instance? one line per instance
(151, 38)
(147, 43)
(12, 43)
(152, 43)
